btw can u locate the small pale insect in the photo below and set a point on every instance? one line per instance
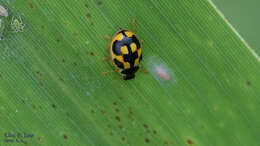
(161, 71)
(3, 11)
(17, 25)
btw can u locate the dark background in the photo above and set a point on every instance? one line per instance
(244, 16)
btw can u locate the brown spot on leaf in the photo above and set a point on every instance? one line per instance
(40, 139)
(117, 110)
(65, 136)
(42, 27)
(120, 126)
(99, 3)
(118, 118)
(61, 79)
(145, 126)
(53, 105)
(86, 5)
(91, 53)
(190, 142)
(103, 111)
(30, 5)
(147, 140)
(248, 83)
(92, 111)
(57, 40)
(123, 138)
(75, 64)
(144, 70)
(39, 73)
(154, 132)
(130, 111)
(63, 60)
(114, 103)
(88, 15)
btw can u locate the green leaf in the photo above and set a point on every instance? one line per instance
(202, 88)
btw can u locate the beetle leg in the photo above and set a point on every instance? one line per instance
(108, 72)
(105, 59)
(108, 48)
(133, 24)
(141, 41)
(107, 37)
(143, 70)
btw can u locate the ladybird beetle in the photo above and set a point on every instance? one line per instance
(125, 52)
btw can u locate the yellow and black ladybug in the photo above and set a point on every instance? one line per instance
(125, 52)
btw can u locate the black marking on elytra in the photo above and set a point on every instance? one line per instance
(141, 57)
(118, 44)
(123, 32)
(126, 41)
(116, 48)
(118, 63)
(129, 77)
(130, 57)
(135, 40)
(130, 71)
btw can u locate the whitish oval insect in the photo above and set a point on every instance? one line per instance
(3, 11)
(161, 71)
